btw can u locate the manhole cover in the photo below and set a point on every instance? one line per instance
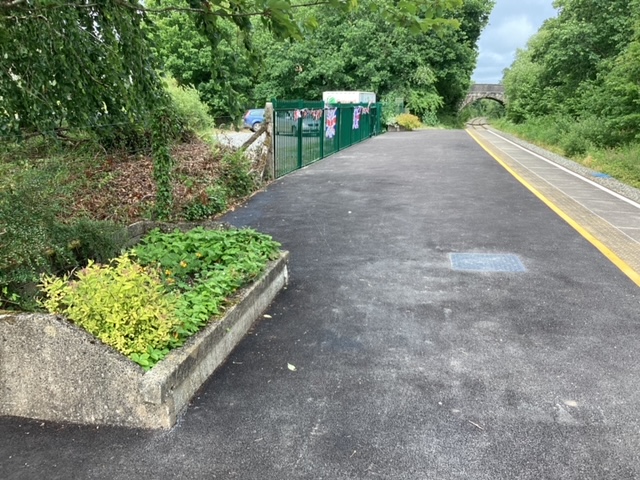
(486, 262)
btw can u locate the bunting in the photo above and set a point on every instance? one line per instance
(331, 122)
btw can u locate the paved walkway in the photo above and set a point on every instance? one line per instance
(411, 363)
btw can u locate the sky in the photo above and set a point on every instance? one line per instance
(511, 24)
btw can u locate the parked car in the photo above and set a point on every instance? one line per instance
(254, 118)
(285, 124)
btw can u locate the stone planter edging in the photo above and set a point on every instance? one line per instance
(52, 370)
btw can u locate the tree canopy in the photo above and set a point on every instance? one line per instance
(87, 63)
(368, 47)
(584, 64)
(63, 66)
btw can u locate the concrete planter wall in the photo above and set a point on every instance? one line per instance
(52, 370)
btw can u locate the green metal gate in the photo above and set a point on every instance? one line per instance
(307, 131)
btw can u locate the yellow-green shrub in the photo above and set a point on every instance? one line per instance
(408, 121)
(123, 304)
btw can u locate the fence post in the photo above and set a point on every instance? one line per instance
(270, 141)
(338, 126)
(299, 133)
(322, 127)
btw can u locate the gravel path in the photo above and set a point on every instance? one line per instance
(237, 139)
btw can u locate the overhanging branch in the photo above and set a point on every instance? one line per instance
(19, 4)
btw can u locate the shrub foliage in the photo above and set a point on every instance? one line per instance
(150, 300)
(408, 121)
(123, 304)
(33, 241)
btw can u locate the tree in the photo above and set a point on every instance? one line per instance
(566, 61)
(224, 80)
(364, 51)
(88, 66)
(82, 63)
(524, 88)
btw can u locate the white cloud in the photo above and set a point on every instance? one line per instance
(511, 25)
(514, 30)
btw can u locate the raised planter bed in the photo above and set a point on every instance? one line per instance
(52, 370)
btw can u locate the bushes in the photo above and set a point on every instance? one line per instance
(213, 201)
(176, 284)
(235, 175)
(235, 182)
(33, 241)
(408, 121)
(190, 109)
(123, 304)
(26, 221)
(206, 267)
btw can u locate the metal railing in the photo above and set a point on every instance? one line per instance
(307, 131)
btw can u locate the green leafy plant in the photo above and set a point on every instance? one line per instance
(235, 174)
(123, 304)
(430, 119)
(213, 202)
(177, 283)
(392, 106)
(408, 121)
(26, 220)
(162, 162)
(33, 241)
(189, 108)
(84, 239)
(574, 144)
(206, 267)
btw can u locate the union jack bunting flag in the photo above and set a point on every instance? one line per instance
(330, 122)
(356, 117)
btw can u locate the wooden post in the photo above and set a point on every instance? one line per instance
(270, 141)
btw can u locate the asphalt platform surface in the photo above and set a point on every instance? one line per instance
(406, 368)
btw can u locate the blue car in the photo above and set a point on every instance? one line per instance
(253, 119)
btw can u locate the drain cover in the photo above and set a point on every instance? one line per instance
(486, 262)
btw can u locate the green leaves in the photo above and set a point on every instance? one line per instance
(582, 65)
(123, 304)
(85, 67)
(409, 7)
(176, 284)
(383, 47)
(206, 267)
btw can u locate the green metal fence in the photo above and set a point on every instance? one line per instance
(306, 131)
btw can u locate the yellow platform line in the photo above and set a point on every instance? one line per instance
(606, 251)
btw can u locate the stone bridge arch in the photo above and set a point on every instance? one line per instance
(479, 91)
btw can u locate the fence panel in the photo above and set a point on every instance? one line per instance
(305, 132)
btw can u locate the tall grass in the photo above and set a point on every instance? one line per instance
(622, 163)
